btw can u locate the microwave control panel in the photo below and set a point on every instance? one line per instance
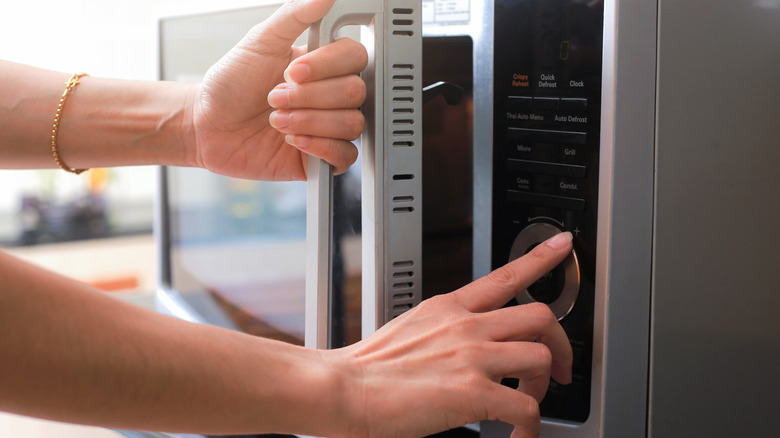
(547, 104)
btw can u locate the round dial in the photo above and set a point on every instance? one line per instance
(558, 288)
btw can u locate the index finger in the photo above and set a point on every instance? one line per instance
(342, 57)
(497, 288)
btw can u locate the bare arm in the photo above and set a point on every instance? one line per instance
(73, 354)
(258, 113)
(106, 122)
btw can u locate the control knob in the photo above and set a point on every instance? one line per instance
(560, 287)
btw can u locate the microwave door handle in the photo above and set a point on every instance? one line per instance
(391, 166)
(319, 174)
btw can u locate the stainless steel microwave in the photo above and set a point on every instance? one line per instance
(649, 129)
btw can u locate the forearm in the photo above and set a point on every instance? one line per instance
(73, 354)
(105, 122)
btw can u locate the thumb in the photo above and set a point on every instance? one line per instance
(281, 29)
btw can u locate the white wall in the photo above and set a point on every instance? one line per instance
(105, 38)
(102, 37)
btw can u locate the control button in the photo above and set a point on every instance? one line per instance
(561, 289)
(520, 148)
(547, 136)
(547, 80)
(547, 185)
(546, 103)
(568, 187)
(559, 202)
(517, 104)
(574, 104)
(577, 83)
(567, 170)
(521, 183)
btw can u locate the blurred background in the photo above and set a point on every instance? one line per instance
(96, 227)
(233, 248)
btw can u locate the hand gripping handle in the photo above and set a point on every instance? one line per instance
(319, 190)
(393, 32)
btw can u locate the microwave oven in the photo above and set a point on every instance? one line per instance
(648, 129)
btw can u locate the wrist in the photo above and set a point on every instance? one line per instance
(326, 404)
(299, 391)
(349, 399)
(112, 122)
(186, 141)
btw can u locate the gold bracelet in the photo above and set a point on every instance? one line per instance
(69, 86)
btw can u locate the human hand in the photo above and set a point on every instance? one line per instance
(316, 106)
(440, 365)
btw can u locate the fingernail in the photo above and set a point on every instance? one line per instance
(279, 97)
(297, 73)
(560, 240)
(299, 141)
(279, 119)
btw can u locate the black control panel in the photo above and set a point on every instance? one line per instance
(547, 103)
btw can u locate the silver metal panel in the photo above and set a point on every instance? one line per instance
(482, 32)
(716, 330)
(626, 231)
(392, 166)
(402, 202)
(319, 231)
(623, 265)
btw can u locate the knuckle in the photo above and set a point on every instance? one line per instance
(530, 409)
(538, 254)
(470, 378)
(502, 277)
(328, 147)
(352, 154)
(541, 355)
(442, 307)
(300, 120)
(355, 123)
(540, 311)
(469, 353)
(299, 96)
(360, 55)
(346, 152)
(455, 322)
(355, 91)
(435, 302)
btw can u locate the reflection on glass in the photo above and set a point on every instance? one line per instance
(237, 251)
(345, 309)
(447, 167)
(234, 250)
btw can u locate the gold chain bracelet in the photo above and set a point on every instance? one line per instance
(69, 86)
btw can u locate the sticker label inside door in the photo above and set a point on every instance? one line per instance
(446, 12)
